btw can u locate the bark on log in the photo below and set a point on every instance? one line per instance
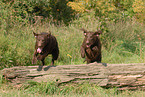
(123, 76)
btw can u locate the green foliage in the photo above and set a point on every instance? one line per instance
(123, 43)
(125, 39)
(139, 10)
(77, 6)
(1, 79)
(41, 88)
(122, 38)
(24, 11)
(61, 11)
(50, 89)
(13, 52)
(106, 11)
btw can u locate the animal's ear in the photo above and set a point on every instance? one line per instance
(98, 32)
(85, 31)
(49, 34)
(35, 34)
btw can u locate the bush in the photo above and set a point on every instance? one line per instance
(61, 12)
(139, 9)
(122, 38)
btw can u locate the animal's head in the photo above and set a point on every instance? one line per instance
(91, 37)
(41, 40)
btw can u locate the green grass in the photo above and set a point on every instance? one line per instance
(50, 89)
(123, 43)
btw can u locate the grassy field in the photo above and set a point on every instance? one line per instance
(123, 43)
(70, 90)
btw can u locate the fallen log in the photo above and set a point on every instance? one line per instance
(122, 76)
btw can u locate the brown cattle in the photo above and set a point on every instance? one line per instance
(45, 44)
(91, 46)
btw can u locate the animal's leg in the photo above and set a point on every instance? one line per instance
(42, 62)
(89, 53)
(97, 54)
(34, 57)
(99, 58)
(88, 60)
(41, 57)
(95, 49)
(82, 52)
(55, 54)
(52, 62)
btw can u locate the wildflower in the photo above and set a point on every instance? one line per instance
(69, 55)
(57, 9)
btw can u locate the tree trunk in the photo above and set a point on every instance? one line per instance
(122, 76)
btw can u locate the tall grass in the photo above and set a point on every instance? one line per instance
(123, 43)
(50, 89)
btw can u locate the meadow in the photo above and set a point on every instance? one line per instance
(50, 89)
(122, 42)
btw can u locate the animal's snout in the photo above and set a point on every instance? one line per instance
(40, 44)
(87, 43)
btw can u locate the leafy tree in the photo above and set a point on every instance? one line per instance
(60, 11)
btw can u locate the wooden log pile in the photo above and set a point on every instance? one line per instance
(122, 76)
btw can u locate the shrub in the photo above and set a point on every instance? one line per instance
(139, 9)
(77, 6)
(61, 12)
